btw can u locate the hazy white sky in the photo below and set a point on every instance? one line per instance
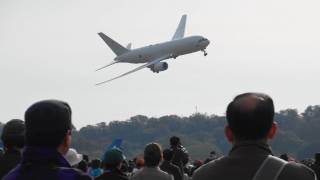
(50, 49)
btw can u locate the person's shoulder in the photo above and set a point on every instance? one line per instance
(164, 174)
(173, 166)
(297, 171)
(72, 172)
(136, 174)
(110, 176)
(13, 173)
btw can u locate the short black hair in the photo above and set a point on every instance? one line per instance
(152, 155)
(96, 163)
(284, 157)
(250, 116)
(167, 154)
(47, 123)
(317, 157)
(13, 134)
(175, 141)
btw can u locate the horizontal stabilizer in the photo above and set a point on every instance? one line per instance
(107, 65)
(114, 46)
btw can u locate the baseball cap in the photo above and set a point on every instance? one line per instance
(113, 156)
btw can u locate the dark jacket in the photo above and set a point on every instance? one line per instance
(316, 168)
(171, 169)
(180, 156)
(243, 162)
(9, 160)
(112, 175)
(44, 164)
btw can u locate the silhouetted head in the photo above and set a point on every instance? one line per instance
(152, 155)
(317, 158)
(167, 154)
(284, 157)
(13, 134)
(96, 163)
(83, 166)
(48, 124)
(139, 162)
(250, 117)
(113, 158)
(175, 141)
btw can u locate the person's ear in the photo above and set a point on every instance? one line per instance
(273, 130)
(66, 143)
(229, 135)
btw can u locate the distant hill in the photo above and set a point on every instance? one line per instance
(298, 134)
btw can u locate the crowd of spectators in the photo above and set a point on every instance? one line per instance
(39, 148)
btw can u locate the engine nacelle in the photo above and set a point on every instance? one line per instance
(161, 66)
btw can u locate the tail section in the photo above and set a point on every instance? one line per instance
(181, 28)
(129, 46)
(114, 46)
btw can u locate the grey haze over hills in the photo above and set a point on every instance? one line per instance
(50, 49)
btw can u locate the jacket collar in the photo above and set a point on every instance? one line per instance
(250, 147)
(42, 155)
(151, 168)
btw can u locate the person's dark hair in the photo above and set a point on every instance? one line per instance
(86, 158)
(152, 155)
(317, 157)
(111, 166)
(175, 141)
(250, 116)
(13, 134)
(96, 163)
(284, 157)
(1, 153)
(83, 166)
(47, 123)
(167, 154)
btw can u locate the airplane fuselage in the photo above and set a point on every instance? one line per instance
(173, 48)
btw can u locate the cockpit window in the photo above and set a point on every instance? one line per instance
(202, 39)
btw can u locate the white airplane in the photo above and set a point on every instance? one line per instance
(153, 55)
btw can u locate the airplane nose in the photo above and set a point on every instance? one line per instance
(207, 42)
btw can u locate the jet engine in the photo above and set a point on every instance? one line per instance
(161, 66)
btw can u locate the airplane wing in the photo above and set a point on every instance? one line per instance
(136, 69)
(181, 28)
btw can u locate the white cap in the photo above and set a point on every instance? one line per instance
(73, 157)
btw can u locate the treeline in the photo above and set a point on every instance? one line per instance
(298, 134)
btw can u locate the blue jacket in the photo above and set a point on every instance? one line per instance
(44, 164)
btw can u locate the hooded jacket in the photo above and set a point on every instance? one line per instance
(40, 163)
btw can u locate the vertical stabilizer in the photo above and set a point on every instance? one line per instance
(181, 28)
(129, 46)
(114, 46)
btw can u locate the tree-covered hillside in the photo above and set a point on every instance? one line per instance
(298, 134)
